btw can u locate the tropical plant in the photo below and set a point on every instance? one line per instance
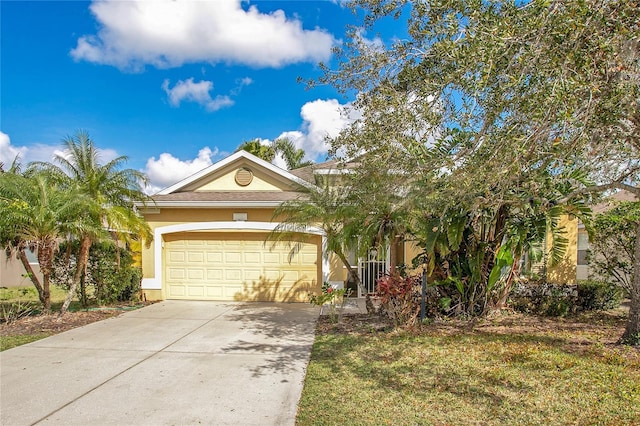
(327, 208)
(293, 157)
(35, 214)
(259, 149)
(112, 191)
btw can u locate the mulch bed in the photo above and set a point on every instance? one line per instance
(54, 323)
(576, 334)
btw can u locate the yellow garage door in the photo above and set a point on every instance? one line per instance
(238, 266)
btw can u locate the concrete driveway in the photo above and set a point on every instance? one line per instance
(171, 363)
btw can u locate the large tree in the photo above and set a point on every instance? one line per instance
(496, 104)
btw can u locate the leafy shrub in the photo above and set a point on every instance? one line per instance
(596, 295)
(110, 273)
(332, 297)
(400, 298)
(556, 300)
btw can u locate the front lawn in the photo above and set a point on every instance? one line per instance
(513, 370)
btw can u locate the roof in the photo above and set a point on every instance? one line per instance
(225, 198)
(328, 167)
(610, 201)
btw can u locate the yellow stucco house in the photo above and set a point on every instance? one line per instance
(210, 238)
(210, 233)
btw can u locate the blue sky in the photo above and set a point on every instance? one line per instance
(173, 85)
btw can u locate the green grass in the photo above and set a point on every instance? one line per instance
(29, 293)
(8, 342)
(465, 378)
(27, 297)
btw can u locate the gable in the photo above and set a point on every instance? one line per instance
(242, 172)
(239, 176)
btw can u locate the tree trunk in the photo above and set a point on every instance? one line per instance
(368, 303)
(81, 265)
(393, 254)
(631, 334)
(45, 260)
(44, 299)
(504, 294)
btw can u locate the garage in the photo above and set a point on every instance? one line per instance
(238, 266)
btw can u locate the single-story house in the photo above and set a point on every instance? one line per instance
(210, 237)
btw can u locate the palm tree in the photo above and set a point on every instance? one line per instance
(257, 148)
(36, 214)
(112, 191)
(294, 157)
(328, 209)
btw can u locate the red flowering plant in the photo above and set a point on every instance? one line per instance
(398, 298)
(331, 297)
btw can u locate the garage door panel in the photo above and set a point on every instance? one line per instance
(195, 274)
(252, 257)
(271, 258)
(238, 267)
(176, 274)
(233, 258)
(195, 257)
(214, 274)
(177, 256)
(177, 290)
(195, 291)
(215, 292)
(252, 274)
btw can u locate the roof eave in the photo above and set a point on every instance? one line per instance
(209, 204)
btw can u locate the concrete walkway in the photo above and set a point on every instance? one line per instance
(171, 363)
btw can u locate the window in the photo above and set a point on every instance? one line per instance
(583, 247)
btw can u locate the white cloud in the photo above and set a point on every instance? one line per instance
(166, 33)
(167, 169)
(8, 152)
(27, 154)
(322, 119)
(41, 152)
(190, 91)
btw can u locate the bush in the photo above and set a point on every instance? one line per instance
(554, 300)
(399, 298)
(110, 274)
(596, 295)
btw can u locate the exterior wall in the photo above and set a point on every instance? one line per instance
(411, 251)
(337, 270)
(565, 272)
(13, 274)
(227, 182)
(224, 180)
(153, 294)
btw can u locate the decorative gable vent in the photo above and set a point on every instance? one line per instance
(244, 176)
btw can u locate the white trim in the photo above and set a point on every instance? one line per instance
(158, 243)
(206, 204)
(230, 159)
